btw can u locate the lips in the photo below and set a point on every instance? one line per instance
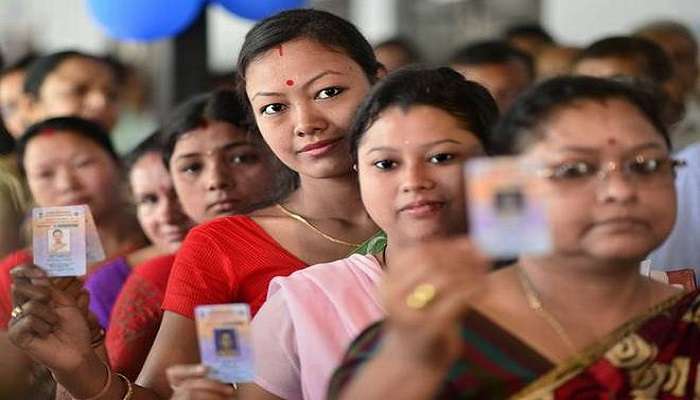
(320, 147)
(225, 206)
(75, 201)
(175, 234)
(422, 208)
(622, 223)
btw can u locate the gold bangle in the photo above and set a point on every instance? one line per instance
(129, 386)
(107, 385)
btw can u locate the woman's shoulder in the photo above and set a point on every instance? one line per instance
(365, 267)
(225, 225)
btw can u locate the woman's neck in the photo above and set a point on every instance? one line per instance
(334, 198)
(119, 234)
(570, 284)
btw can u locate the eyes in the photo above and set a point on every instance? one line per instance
(638, 167)
(196, 166)
(77, 164)
(437, 159)
(148, 199)
(323, 94)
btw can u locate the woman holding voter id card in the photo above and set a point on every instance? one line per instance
(69, 161)
(409, 139)
(304, 73)
(575, 320)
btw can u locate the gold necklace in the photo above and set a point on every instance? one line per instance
(533, 300)
(309, 225)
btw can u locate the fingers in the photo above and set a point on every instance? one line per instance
(191, 382)
(36, 321)
(22, 293)
(71, 285)
(204, 388)
(180, 373)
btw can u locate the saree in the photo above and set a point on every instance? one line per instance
(653, 356)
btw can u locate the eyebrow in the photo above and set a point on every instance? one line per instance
(593, 150)
(431, 144)
(308, 83)
(225, 147)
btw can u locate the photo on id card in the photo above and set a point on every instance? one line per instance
(58, 240)
(225, 346)
(507, 217)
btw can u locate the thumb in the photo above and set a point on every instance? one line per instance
(62, 299)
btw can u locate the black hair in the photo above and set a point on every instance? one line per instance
(492, 52)
(21, 64)
(655, 64)
(7, 142)
(151, 144)
(75, 125)
(42, 67)
(407, 46)
(443, 88)
(528, 30)
(670, 27)
(320, 26)
(221, 105)
(520, 126)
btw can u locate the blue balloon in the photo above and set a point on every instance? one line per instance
(258, 9)
(144, 20)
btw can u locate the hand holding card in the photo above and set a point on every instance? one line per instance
(65, 240)
(224, 341)
(507, 217)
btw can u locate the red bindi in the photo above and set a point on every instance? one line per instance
(280, 50)
(290, 82)
(612, 142)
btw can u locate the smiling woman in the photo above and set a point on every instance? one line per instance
(232, 259)
(410, 139)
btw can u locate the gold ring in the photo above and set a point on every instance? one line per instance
(421, 296)
(17, 312)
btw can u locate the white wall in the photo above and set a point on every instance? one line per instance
(375, 18)
(579, 22)
(47, 25)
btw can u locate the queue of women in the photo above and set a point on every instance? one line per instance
(330, 197)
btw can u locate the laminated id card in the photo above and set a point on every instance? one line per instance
(507, 217)
(225, 344)
(65, 240)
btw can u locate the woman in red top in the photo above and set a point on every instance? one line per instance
(243, 169)
(304, 73)
(70, 161)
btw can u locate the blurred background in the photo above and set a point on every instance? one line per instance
(202, 55)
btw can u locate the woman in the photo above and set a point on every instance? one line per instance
(409, 139)
(304, 72)
(244, 165)
(578, 322)
(160, 216)
(70, 83)
(70, 161)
